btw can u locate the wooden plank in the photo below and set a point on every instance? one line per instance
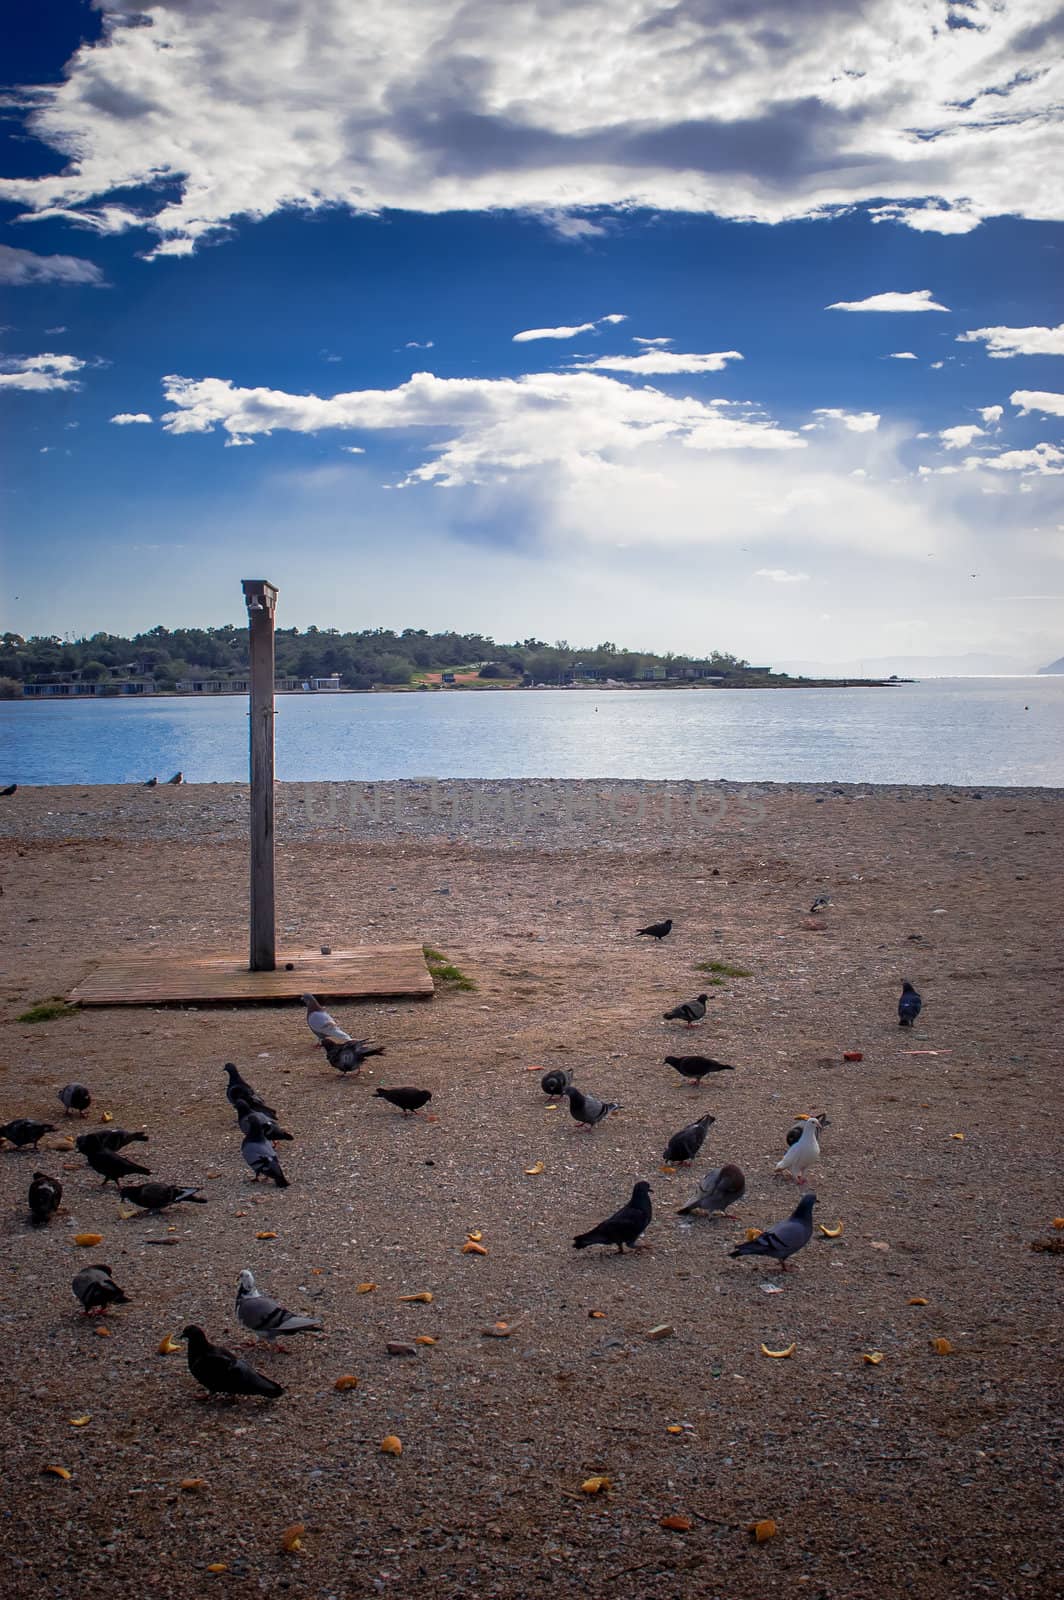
(364, 972)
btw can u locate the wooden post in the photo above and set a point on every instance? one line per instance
(261, 600)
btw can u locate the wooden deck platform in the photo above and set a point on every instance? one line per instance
(366, 972)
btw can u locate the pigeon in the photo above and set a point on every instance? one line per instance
(241, 1095)
(719, 1189)
(691, 1011)
(909, 1006)
(261, 1157)
(795, 1133)
(321, 1024)
(96, 1289)
(555, 1081)
(686, 1144)
(75, 1097)
(821, 903)
(786, 1238)
(264, 1317)
(220, 1371)
(151, 783)
(24, 1131)
(178, 777)
(656, 930)
(9, 790)
(258, 1123)
(108, 1139)
(45, 1195)
(157, 1196)
(348, 1055)
(803, 1153)
(625, 1225)
(111, 1166)
(585, 1110)
(696, 1067)
(408, 1100)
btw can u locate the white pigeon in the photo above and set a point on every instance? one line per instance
(321, 1024)
(803, 1154)
(264, 1317)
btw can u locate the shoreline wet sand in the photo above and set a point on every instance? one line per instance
(928, 1474)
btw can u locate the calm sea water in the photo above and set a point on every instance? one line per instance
(949, 730)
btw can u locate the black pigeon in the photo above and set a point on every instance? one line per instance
(157, 1196)
(108, 1139)
(656, 930)
(242, 1096)
(786, 1238)
(261, 1157)
(220, 1371)
(909, 1006)
(555, 1081)
(45, 1195)
(719, 1189)
(24, 1131)
(96, 1289)
(9, 790)
(408, 1100)
(686, 1144)
(257, 1122)
(585, 1109)
(150, 783)
(348, 1055)
(795, 1133)
(696, 1067)
(111, 1166)
(625, 1225)
(76, 1097)
(691, 1011)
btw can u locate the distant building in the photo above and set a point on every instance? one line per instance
(652, 675)
(73, 687)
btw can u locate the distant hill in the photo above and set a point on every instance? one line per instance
(1054, 666)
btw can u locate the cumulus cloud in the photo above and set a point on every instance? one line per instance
(651, 343)
(568, 112)
(960, 437)
(566, 332)
(20, 267)
(39, 372)
(124, 418)
(1029, 400)
(781, 575)
(1045, 459)
(1001, 343)
(853, 421)
(659, 363)
(993, 414)
(902, 355)
(892, 300)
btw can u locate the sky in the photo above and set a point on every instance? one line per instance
(696, 325)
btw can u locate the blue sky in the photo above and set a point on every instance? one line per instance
(694, 452)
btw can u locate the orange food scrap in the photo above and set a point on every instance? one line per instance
(105, 1116)
(292, 1538)
(265, 1236)
(392, 1445)
(596, 1485)
(676, 1523)
(831, 1233)
(79, 1422)
(956, 1136)
(218, 1566)
(764, 1530)
(88, 1238)
(475, 1234)
(1058, 1222)
(534, 1172)
(472, 1248)
(918, 1300)
(597, 1316)
(422, 1299)
(193, 1485)
(674, 1427)
(942, 1347)
(365, 1288)
(169, 1345)
(101, 1332)
(498, 1330)
(779, 1355)
(424, 1338)
(752, 1234)
(348, 1381)
(872, 1357)
(59, 1472)
(668, 1170)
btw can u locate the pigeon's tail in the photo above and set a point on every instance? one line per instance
(582, 1240)
(272, 1170)
(750, 1247)
(264, 1386)
(193, 1195)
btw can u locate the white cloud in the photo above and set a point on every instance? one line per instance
(853, 421)
(39, 372)
(659, 363)
(563, 333)
(891, 300)
(413, 344)
(614, 316)
(124, 418)
(1004, 342)
(1036, 400)
(902, 355)
(1045, 459)
(651, 343)
(353, 449)
(992, 414)
(20, 267)
(960, 437)
(564, 111)
(781, 575)
(936, 366)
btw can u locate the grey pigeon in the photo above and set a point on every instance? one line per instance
(241, 1095)
(624, 1226)
(157, 1196)
(690, 1011)
(786, 1238)
(220, 1371)
(111, 1166)
(909, 1006)
(150, 783)
(719, 1189)
(656, 930)
(265, 1317)
(262, 1126)
(555, 1081)
(261, 1157)
(407, 1099)
(108, 1139)
(585, 1110)
(76, 1097)
(686, 1144)
(45, 1195)
(695, 1068)
(321, 1024)
(178, 777)
(348, 1056)
(96, 1289)
(821, 903)
(25, 1131)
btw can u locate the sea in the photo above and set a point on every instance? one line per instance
(1006, 731)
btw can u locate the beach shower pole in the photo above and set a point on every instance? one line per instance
(261, 600)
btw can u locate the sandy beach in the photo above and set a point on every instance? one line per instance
(925, 1474)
